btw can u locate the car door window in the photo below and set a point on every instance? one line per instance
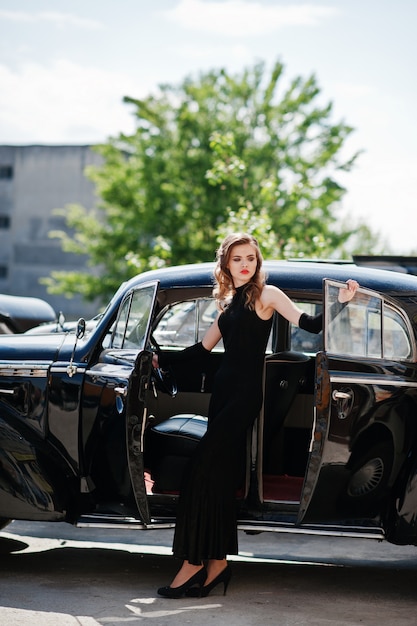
(131, 327)
(301, 340)
(397, 342)
(186, 323)
(368, 327)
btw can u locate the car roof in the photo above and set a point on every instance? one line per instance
(288, 275)
(20, 313)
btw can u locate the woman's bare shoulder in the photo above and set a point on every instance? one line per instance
(270, 293)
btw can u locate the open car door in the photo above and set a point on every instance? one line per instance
(357, 375)
(114, 404)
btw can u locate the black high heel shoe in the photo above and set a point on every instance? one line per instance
(177, 592)
(224, 577)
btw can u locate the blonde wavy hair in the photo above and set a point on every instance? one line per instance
(224, 289)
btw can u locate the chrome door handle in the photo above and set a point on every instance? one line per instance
(341, 395)
(344, 402)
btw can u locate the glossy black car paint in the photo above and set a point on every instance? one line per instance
(20, 313)
(72, 425)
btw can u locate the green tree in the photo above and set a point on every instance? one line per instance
(215, 153)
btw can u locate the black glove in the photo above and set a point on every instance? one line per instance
(311, 323)
(314, 323)
(197, 351)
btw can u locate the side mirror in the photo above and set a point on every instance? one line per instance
(81, 324)
(79, 333)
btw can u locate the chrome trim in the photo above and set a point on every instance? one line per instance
(369, 380)
(360, 533)
(114, 522)
(36, 369)
(63, 369)
(130, 523)
(124, 525)
(32, 369)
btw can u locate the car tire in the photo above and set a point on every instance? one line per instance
(370, 473)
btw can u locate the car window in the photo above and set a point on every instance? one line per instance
(368, 327)
(185, 323)
(397, 342)
(301, 340)
(120, 328)
(130, 331)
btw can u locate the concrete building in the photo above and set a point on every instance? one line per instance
(35, 180)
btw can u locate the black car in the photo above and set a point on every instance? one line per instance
(90, 434)
(18, 314)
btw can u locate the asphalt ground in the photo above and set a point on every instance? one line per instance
(57, 575)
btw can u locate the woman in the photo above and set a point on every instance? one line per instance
(206, 528)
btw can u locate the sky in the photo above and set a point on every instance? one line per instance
(66, 66)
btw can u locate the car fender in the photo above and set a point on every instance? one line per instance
(393, 421)
(33, 484)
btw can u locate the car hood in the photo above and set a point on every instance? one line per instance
(23, 348)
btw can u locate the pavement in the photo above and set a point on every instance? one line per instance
(57, 575)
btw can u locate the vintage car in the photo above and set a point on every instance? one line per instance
(90, 434)
(18, 314)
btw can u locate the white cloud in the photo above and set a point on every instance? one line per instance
(64, 103)
(59, 19)
(244, 18)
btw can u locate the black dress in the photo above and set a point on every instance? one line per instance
(206, 517)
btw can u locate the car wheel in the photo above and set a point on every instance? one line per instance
(370, 473)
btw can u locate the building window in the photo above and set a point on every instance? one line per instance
(4, 222)
(3, 271)
(6, 171)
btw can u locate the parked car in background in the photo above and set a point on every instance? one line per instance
(19, 313)
(61, 325)
(394, 263)
(90, 434)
